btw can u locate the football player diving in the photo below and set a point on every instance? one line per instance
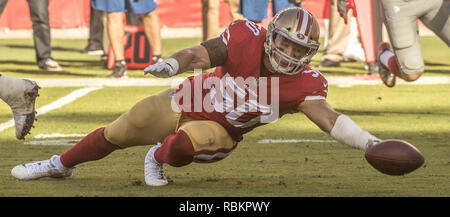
(20, 94)
(400, 18)
(199, 120)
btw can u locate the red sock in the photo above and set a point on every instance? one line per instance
(92, 147)
(177, 150)
(393, 66)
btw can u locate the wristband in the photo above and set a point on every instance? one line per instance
(174, 64)
(347, 132)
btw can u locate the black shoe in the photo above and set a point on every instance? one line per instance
(92, 49)
(372, 68)
(49, 65)
(119, 70)
(104, 60)
(350, 60)
(157, 59)
(329, 63)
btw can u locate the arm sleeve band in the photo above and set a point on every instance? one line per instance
(217, 51)
(347, 132)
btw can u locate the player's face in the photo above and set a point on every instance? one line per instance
(289, 48)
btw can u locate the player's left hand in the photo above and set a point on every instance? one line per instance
(162, 69)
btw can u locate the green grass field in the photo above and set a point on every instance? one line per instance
(419, 114)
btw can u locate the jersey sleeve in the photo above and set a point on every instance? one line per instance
(237, 37)
(315, 85)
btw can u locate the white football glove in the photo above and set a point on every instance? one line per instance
(372, 142)
(164, 69)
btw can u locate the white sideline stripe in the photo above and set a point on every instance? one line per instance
(108, 82)
(207, 157)
(348, 81)
(6, 125)
(57, 135)
(265, 141)
(54, 105)
(59, 142)
(146, 82)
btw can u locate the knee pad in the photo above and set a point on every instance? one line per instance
(410, 59)
(176, 150)
(404, 37)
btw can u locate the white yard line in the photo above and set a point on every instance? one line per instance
(57, 135)
(265, 141)
(63, 142)
(54, 105)
(58, 142)
(341, 81)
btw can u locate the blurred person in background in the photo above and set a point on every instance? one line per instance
(98, 41)
(341, 45)
(95, 40)
(115, 14)
(234, 10)
(210, 17)
(41, 33)
(379, 30)
(256, 10)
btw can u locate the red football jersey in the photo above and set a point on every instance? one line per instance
(242, 94)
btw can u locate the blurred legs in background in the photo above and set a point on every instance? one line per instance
(210, 19)
(234, 10)
(152, 28)
(341, 43)
(115, 27)
(95, 46)
(41, 33)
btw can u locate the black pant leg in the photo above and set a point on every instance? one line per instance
(95, 29)
(41, 29)
(2, 6)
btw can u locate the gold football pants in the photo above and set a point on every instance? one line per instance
(152, 119)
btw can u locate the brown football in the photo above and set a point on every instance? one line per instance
(394, 157)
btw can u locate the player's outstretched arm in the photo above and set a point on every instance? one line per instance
(185, 60)
(339, 126)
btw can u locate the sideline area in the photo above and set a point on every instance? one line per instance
(342, 81)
